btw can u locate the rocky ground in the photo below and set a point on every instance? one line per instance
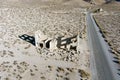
(20, 60)
(109, 23)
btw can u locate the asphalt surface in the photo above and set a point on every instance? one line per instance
(102, 65)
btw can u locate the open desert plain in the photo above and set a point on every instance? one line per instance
(47, 39)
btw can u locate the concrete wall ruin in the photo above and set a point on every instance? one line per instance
(43, 41)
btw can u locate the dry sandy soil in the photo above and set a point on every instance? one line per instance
(109, 22)
(20, 60)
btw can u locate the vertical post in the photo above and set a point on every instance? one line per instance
(78, 41)
(53, 44)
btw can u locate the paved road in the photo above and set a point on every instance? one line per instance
(102, 65)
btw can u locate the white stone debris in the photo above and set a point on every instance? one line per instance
(101, 9)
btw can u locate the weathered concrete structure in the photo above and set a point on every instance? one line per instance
(53, 44)
(42, 41)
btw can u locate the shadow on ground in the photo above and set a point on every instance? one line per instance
(118, 72)
(61, 42)
(116, 60)
(30, 39)
(64, 42)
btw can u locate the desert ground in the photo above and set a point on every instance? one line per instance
(109, 24)
(21, 60)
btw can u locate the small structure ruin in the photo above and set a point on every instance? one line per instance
(42, 41)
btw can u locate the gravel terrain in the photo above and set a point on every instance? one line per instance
(109, 22)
